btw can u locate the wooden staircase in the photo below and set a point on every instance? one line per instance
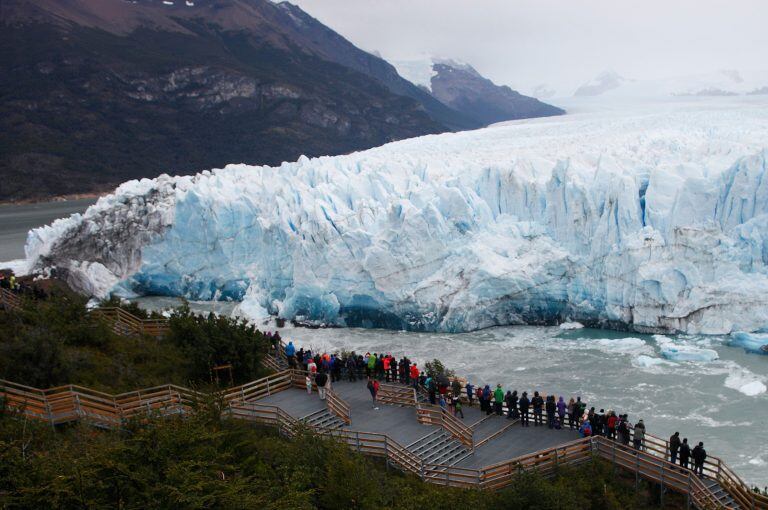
(323, 419)
(439, 447)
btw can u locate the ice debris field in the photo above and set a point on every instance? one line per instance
(651, 219)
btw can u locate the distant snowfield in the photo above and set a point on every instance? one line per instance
(651, 216)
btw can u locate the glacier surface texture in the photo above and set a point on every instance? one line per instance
(648, 219)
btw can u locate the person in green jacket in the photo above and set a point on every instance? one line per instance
(498, 399)
(371, 364)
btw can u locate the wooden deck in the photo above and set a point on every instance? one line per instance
(400, 423)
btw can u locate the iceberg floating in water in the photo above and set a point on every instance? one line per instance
(750, 342)
(566, 326)
(650, 221)
(683, 351)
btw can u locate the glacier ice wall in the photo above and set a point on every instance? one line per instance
(650, 220)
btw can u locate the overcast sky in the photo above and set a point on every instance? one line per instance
(562, 43)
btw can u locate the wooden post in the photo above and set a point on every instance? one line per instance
(386, 452)
(661, 490)
(637, 471)
(688, 492)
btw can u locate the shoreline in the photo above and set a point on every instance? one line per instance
(56, 198)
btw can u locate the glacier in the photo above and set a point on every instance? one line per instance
(651, 219)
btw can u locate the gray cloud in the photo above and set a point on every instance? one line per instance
(559, 42)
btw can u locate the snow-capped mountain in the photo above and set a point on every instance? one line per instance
(727, 82)
(459, 86)
(602, 83)
(651, 219)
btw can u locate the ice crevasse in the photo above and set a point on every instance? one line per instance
(653, 221)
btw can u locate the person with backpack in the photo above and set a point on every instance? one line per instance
(523, 404)
(586, 429)
(373, 387)
(572, 410)
(674, 447)
(321, 379)
(538, 403)
(685, 453)
(699, 455)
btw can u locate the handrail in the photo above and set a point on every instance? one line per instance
(434, 415)
(9, 299)
(72, 402)
(123, 320)
(338, 406)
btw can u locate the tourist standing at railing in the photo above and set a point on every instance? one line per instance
(385, 362)
(431, 390)
(498, 399)
(470, 393)
(699, 455)
(685, 453)
(551, 407)
(674, 447)
(586, 429)
(639, 436)
(524, 404)
(508, 401)
(290, 353)
(572, 410)
(513, 407)
(561, 409)
(538, 404)
(487, 395)
(611, 424)
(393, 368)
(351, 368)
(599, 425)
(415, 376)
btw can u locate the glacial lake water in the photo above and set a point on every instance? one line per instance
(617, 370)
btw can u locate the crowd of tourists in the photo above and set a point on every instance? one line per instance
(452, 395)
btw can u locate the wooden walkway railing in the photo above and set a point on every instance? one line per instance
(9, 300)
(127, 324)
(68, 403)
(428, 414)
(395, 394)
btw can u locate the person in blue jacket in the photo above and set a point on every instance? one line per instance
(290, 353)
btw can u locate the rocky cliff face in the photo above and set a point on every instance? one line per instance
(462, 88)
(99, 91)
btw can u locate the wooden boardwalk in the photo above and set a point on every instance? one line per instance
(401, 424)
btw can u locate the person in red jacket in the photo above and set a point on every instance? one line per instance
(386, 362)
(415, 376)
(373, 387)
